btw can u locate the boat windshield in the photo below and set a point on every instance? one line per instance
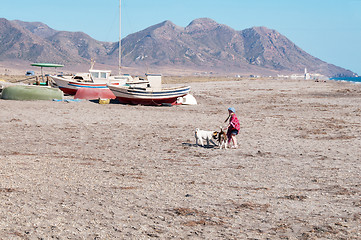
(99, 74)
(103, 75)
(95, 74)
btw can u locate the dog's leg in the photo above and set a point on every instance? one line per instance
(196, 137)
(201, 140)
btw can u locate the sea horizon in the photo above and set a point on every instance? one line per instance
(348, 79)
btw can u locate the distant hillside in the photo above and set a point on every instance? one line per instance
(204, 45)
(36, 42)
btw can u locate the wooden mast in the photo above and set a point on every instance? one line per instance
(120, 36)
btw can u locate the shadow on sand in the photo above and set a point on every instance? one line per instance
(195, 145)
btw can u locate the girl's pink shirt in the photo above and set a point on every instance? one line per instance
(234, 122)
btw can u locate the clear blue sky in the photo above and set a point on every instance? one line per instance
(327, 29)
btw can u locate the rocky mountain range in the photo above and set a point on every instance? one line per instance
(203, 45)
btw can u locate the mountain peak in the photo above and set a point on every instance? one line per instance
(167, 23)
(37, 28)
(163, 24)
(202, 23)
(160, 27)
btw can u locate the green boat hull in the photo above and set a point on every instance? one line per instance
(31, 93)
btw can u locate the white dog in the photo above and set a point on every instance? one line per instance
(201, 135)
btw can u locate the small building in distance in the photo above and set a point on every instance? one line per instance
(309, 76)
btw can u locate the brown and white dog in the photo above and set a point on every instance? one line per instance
(222, 139)
(201, 135)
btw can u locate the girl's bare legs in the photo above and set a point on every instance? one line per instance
(234, 140)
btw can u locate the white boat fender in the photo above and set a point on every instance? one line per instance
(179, 100)
(189, 100)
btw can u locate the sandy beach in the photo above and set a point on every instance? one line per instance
(91, 171)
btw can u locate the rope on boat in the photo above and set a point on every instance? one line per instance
(23, 80)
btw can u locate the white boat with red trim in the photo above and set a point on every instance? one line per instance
(96, 79)
(150, 94)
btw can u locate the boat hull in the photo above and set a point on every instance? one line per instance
(94, 93)
(148, 97)
(70, 87)
(31, 93)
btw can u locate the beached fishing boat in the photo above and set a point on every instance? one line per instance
(30, 93)
(151, 94)
(95, 79)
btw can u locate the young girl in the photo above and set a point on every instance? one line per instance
(233, 127)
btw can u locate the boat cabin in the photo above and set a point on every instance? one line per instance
(99, 75)
(155, 81)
